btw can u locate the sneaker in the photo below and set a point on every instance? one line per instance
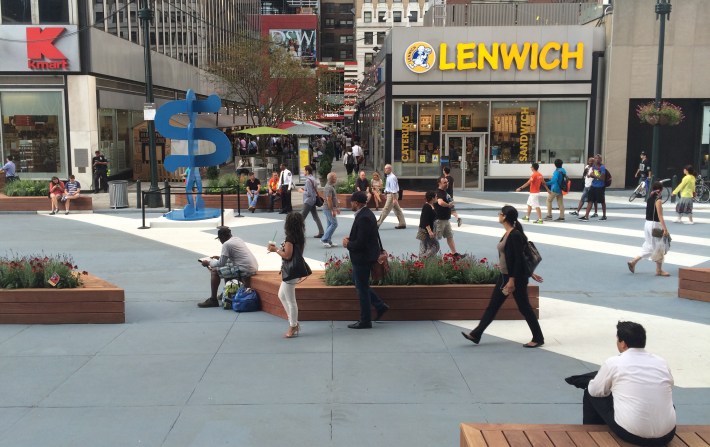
(458, 256)
(677, 220)
(583, 219)
(209, 302)
(602, 218)
(548, 217)
(459, 221)
(333, 244)
(574, 213)
(560, 219)
(539, 221)
(689, 223)
(54, 212)
(67, 212)
(594, 215)
(526, 218)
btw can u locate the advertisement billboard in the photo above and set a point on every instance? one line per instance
(36, 48)
(296, 33)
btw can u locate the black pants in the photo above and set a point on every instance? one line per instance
(100, 181)
(286, 199)
(523, 302)
(600, 411)
(273, 198)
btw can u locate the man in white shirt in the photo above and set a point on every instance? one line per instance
(392, 192)
(286, 185)
(357, 153)
(587, 185)
(632, 392)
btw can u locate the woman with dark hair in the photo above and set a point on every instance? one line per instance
(294, 229)
(428, 245)
(686, 190)
(56, 191)
(513, 279)
(654, 219)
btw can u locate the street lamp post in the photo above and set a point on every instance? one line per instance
(663, 9)
(153, 199)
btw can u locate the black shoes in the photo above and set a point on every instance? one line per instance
(400, 227)
(360, 325)
(533, 344)
(318, 236)
(470, 337)
(381, 311)
(209, 302)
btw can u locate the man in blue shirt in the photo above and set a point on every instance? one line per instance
(555, 191)
(596, 192)
(9, 169)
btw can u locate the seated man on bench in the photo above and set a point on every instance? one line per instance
(234, 251)
(632, 392)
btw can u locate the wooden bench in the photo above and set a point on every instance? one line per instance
(319, 302)
(479, 435)
(694, 284)
(410, 199)
(83, 203)
(97, 301)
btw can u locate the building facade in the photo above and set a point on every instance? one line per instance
(73, 79)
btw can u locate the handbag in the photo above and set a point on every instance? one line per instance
(532, 257)
(246, 300)
(296, 267)
(381, 267)
(319, 198)
(656, 232)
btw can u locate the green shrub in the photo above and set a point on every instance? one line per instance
(35, 271)
(346, 186)
(32, 188)
(212, 173)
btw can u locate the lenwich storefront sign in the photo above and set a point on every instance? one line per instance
(420, 56)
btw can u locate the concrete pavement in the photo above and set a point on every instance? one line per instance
(176, 375)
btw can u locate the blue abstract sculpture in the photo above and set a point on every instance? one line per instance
(194, 210)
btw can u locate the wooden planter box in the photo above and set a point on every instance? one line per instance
(83, 203)
(316, 301)
(410, 199)
(97, 301)
(694, 284)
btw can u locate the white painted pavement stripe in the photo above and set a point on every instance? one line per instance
(586, 332)
(602, 228)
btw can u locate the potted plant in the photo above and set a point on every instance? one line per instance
(668, 114)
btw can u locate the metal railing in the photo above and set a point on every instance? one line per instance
(506, 14)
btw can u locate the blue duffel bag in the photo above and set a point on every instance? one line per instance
(246, 300)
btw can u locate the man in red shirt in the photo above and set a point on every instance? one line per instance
(535, 181)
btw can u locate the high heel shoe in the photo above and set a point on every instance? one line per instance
(293, 331)
(470, 337)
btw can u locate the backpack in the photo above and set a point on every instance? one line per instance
(607, 179)
(349, 160)
(563, 181)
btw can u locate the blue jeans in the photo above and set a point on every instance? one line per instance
(331, 222)
(253, 198)
(361, 278)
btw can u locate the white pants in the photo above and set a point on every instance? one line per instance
(287, 295)
(650, 243)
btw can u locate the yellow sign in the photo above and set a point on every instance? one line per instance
(420, 57)
(524, 134)
(496, 56)
(407, 125)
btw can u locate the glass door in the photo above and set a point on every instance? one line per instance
(465, 154)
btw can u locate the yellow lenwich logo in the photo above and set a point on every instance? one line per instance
(420, 57)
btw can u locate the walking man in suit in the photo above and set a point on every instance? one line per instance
(364, 248)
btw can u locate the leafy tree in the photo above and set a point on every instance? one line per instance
(265, 78)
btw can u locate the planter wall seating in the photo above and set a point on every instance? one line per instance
(83, 203)
(411, 199)
(97, 301)
(694, 283)
(316, 301)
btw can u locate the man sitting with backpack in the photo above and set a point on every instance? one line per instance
(557, 184)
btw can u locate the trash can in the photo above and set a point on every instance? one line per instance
(260, 173)
(118, 194)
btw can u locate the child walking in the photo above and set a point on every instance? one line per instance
(534, 182)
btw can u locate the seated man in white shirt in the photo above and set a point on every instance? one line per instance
(234, 250)
(632, 392)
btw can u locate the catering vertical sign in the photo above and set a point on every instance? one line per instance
(406, 135)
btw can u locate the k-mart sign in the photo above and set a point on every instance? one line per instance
(32, 48)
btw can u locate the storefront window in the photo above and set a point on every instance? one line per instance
(33, 131)
(429, 132)
(116, 135)
(54, 11)
(563, 131)
(416, 143)
(513, 132)
(16, 11)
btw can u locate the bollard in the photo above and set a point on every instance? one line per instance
(166, 185)
(674, 183)
(139, 196)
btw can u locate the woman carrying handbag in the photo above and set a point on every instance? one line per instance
(513, 279)
(293, 268)
(654, 231)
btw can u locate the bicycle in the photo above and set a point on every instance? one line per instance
(702, 191)
(640, 190)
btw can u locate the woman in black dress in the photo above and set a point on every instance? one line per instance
(513, 279)
(428, 245)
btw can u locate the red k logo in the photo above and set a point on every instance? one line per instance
(40, 43)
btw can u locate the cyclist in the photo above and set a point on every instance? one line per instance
(644, 171)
